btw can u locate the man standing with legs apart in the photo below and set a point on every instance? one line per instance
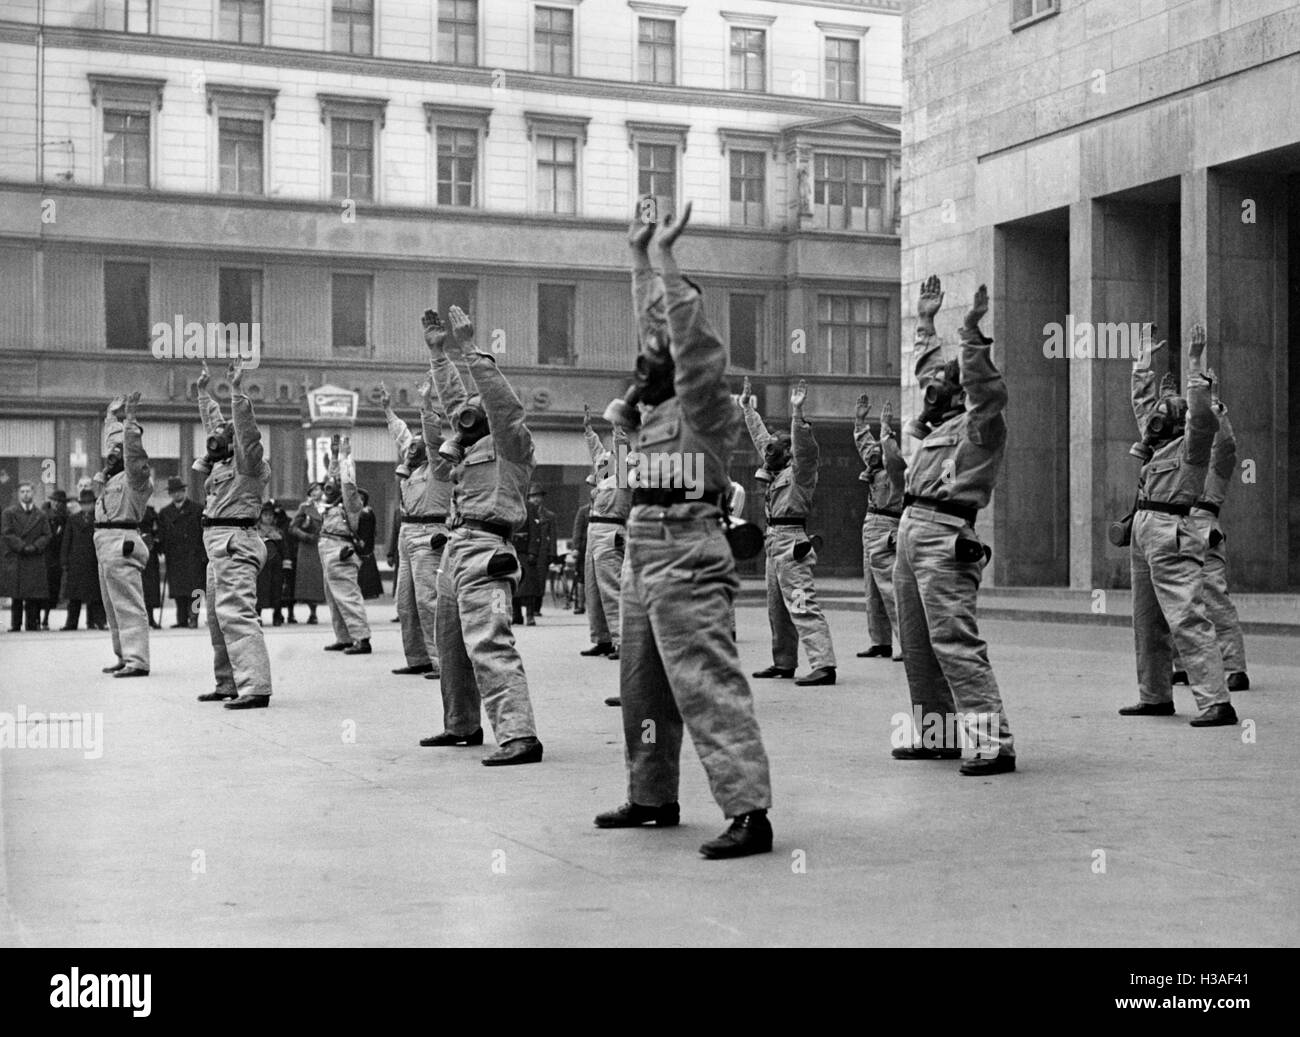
(941, 560)
(679, 667)
(606, 539)
(338, 555)
(236, 477)
(119, 546)
(790, 471)
(492, 451)
(424, 487)
(884, 475)
(1168, 547)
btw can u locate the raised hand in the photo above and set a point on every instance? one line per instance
(863, 410)
(747, 395)
(799, 394)
(1196, 348)
(978, 307)
(205, 376)
(116, 405)
(345, 446)
(385, 398)
(640, 230)
(931, 299)
(131, 402)
(235, 375)
(425, 390)
(435, 331)
(586, 416)
(462, 328)
(887, 418)
(671, 229)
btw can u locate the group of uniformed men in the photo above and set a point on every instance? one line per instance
(660, 573)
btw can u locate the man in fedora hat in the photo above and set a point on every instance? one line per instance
(80, 566)
(56, 510)
(24, 534)
(180, 541)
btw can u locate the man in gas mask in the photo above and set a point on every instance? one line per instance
(236, 478)
(884, 477)
(962, 436)
(338, 555)
(492, 454)
(606, 536)
(790, 472)
(121, 550)
(1214, 589)
(679, 667)
(424, 486)
(1167, 549)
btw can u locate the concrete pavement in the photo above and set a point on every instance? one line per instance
(321, 822)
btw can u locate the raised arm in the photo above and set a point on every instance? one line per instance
(649, 297)
(1202, 423)
(895, 464)
(250, 456)
(397, 428)
(758, 432)
(112, 420)
(134, 458)
(1145, 396)
(803, 444)
(862, 437)
(209, 410)
(986, 389)
(344, 469)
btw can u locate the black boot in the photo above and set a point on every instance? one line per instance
(1148, 709)
(774, 671)
(1238, 681)
(877, 652)
(749, 833)
(447, 738)
(515, 751)
(361, 647)
(604, 648)
(630, 815)
(1219, 715)
(821, 675)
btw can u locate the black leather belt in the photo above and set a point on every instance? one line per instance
(608, 520)
(496, 529)
(946, 507)
(425, 520)
(801, 522)
(1205, 505)
(242, 523)
(337, 536)
(1163, 508)
(668, 498)
(886, 512)
(117, 525)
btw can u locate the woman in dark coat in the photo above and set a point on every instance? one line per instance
(270, 579)
(372, 585)
(152, 576)
(81, 567)
(309, 577)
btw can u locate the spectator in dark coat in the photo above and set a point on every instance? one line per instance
(535, 558)
(372, 585)
(180, 542)
(24, 534)
(56, 510)
(81, 567)
(309, 576)
(152, 575)
(580, 523)
(270, 578)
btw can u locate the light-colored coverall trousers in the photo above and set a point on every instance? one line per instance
(1219, 608)
(878, 570)
(1168, 558)
(792, 609)
(481, 668)
(679, 668)
(239, 659)
(604, 567)
(121, 585)
(946, 660)
(417, 591)
(343, 592)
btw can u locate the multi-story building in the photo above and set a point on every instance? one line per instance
(1102, 164)
(327, 169)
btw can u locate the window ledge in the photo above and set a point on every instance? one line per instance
(1034, 19)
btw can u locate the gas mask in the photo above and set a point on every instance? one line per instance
(113, 463)
(875, 459)
(776, 457)
(471, 426)
(333, 491)
(416, 455)
(943, 398)
(221, 444)
(1165, 424)
(654, 382)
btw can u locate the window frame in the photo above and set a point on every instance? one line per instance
(331, 43)
(437, 293)
(762, 323)
(151, 17)
(436, 57)
(356, 109)
(750, 141)
(657, 135)
(886, 208)
(258, 306)
(572, 286)
(457, 117)
(149, 291)
(841, 32)
(549, 124)
(368, 349)
(571, 8)
(1052, 9)
(129, 94)
(266, 22)
(671, 13)
(231, 101)
(824, 343)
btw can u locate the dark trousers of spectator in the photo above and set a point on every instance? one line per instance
(182, 611)
(32, 608)
(95, 615)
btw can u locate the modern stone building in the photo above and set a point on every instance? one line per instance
(1114, 162)
(327, 169)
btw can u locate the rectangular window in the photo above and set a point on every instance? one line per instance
(657, 176)
(748, 59)
(458, 32)
(1024, 10)
(748, 182)
(126, 15)
(350, 300)
(849, 192)
(553, 40)
(126, 305)
(555, 324)
(354, 26)
(557, 174)
(854, 331)
(745, 329)
(656, 50)
(239, 296)
(352, 143)
(240, 148)
(126, 149)
(457, 165)
(241, 21)
(454, 292)
(841, 70)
